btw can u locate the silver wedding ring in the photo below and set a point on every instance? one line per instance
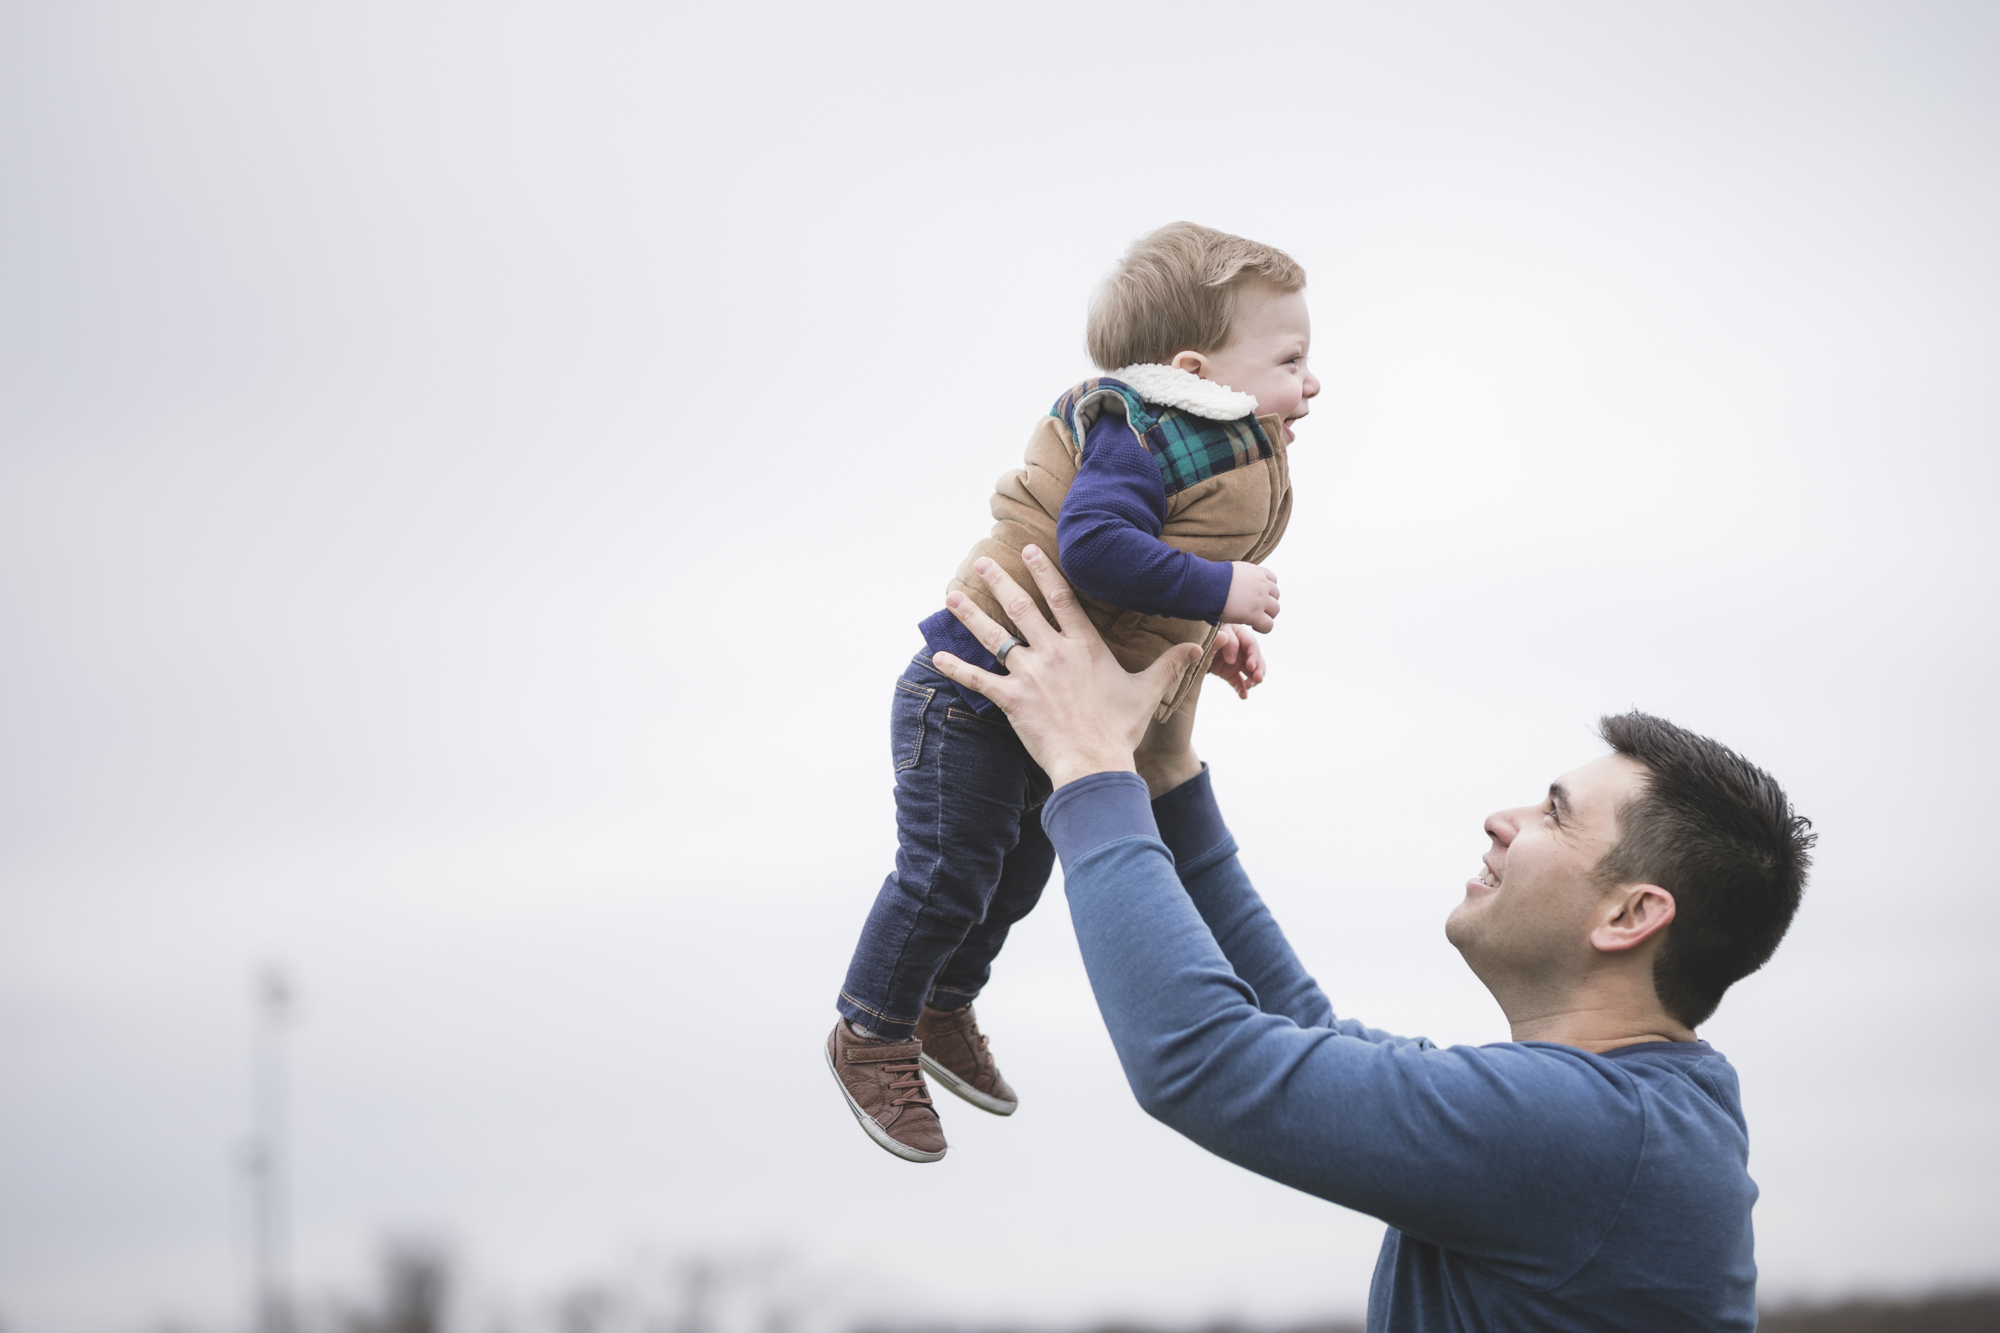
(1007, 645)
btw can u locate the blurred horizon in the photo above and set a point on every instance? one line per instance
(425, 1285)
(469, 479)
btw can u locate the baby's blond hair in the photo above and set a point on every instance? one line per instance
(1175, 291)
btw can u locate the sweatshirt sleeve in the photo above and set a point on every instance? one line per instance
(1501, 1152)
(1190, 824)
(1108, 534)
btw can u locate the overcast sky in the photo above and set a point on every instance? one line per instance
(469, 478)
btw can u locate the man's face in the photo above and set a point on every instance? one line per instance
(1270, 335)
(1526, 917)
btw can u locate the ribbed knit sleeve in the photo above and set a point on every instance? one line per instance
(1108, 534)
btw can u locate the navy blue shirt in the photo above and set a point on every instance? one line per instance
(1108, 543)
(1527, 1185)
(1109, 534)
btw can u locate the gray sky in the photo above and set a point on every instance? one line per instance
(468, 479)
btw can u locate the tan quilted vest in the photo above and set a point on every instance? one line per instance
(1238, 515)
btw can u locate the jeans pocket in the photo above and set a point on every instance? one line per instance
(906, 723)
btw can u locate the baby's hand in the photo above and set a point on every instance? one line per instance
(1238, 659)
(1253, 597)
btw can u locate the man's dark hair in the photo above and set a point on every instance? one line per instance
(1718, 833)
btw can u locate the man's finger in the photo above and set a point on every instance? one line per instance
(1170, 664)
(968, 675)
(1020, 607)
(984, 627)
(1062, 601)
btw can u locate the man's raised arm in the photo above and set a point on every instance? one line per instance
(1190, 823)
(1419, 1137)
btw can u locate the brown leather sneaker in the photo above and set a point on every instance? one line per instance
(955, 1053)
(885, 1089)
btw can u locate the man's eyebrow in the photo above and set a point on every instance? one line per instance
(1559, 796)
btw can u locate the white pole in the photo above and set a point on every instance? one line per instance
(268, 1201)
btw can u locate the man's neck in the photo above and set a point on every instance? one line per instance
(1596, 1044)
(1595, 1018)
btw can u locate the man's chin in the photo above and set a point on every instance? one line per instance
(1458, 924)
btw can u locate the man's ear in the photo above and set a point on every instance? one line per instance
(1194, 363)
(1631, 916)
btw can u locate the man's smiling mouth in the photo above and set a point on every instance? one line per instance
(1487, 877)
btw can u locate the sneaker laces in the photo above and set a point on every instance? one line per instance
(908, 1081)
(975, 1040)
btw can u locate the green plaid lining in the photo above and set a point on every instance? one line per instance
(1186, 448)
(1189, 449)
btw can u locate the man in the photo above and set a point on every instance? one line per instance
(1589, 1174)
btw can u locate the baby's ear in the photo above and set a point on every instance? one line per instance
(1194, 363)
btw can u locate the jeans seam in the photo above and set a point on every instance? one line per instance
(937, 862)
(927, 693)
(961, 715)
(872, 1011)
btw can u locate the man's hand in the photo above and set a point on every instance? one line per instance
(1072, 705)
(1253, 597)
(1238, 659)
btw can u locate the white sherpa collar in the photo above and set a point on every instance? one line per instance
(1170, 386)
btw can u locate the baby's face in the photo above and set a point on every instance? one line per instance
(1266, 353)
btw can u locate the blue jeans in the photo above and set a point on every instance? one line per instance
(971, 858)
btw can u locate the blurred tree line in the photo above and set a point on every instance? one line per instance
(417, 1290)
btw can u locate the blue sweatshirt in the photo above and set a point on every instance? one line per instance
(1108, 543)
(1527, 1185)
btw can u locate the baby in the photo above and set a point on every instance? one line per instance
(1159, 486)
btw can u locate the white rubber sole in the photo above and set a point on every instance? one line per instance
(873, 1130)
(966, 1090)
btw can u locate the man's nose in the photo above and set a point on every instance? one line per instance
(1502, 825)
